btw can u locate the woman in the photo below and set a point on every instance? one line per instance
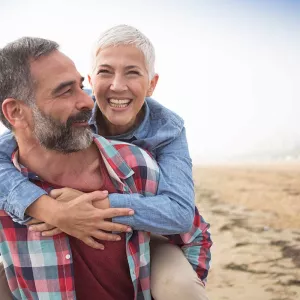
(122, 79)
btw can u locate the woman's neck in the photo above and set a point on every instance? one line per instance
(106, 128)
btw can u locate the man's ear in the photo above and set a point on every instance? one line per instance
(152, 85)
(14, 112)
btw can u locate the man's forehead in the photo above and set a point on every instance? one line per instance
(53, 68)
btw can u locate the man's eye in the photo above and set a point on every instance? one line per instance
(67, 92)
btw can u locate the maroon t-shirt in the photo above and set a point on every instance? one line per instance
(102, 274)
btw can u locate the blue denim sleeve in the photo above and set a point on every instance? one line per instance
(16, 191)
(171, 211)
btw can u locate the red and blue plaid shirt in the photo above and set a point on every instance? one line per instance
(40, 267)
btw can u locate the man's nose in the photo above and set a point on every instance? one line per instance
(84, 101)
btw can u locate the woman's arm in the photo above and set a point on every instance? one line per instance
(17, 193)
(171, 211)
(18, 197)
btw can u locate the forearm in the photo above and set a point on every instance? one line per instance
(21, 192)
(16, 191)
(44, 209)
(171, 211)
(157, 214)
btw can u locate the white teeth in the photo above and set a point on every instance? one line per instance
(119, 103)
(118, 106)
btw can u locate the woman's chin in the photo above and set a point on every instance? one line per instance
(120, 120)
(120, 126)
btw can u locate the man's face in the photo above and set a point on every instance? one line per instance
(120, 83)
(61, 109)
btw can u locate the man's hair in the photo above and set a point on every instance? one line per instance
(15, 75)
(126, 35)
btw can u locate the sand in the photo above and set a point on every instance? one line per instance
(254, 212)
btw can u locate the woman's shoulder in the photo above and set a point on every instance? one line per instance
(159, 113)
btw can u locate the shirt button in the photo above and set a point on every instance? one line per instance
(68, 256)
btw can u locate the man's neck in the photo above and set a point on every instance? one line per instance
(72, 170)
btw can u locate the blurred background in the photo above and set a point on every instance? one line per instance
(231, 69)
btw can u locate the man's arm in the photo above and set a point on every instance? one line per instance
(171, 211)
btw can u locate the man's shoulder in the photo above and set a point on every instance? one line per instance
(117, 153)
(160, 113)
(144, 167)
(135, 156)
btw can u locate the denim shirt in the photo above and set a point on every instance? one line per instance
(162, 133)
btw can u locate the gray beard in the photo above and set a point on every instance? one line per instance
(57, 136)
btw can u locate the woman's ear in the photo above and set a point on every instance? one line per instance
(152, 85)
(90, 82)
(90, 79)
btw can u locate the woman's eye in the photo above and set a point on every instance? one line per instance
(134, 73)
(103, 71)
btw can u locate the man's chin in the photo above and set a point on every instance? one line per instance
(69, 144)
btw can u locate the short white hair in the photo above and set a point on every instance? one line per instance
(126, 35)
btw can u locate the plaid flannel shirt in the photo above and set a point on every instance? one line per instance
(40, 267)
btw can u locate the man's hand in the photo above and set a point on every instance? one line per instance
(79, 218)
(44, 228)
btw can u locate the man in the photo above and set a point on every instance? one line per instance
(49, 119)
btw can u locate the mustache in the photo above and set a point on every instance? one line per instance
(83, 116)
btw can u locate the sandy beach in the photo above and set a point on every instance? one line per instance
(254, 215)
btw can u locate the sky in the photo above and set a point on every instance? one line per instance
(230, 69)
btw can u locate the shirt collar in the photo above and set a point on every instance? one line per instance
(116, 166)
(114, 162)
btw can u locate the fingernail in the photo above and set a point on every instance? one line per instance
(131, 212)
(30, 228)
(101, 247)
(105, 192)
(118, 238)
(128, 229)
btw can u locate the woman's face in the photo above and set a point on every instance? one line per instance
(120, 84)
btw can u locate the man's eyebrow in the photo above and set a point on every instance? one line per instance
(65, 84)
